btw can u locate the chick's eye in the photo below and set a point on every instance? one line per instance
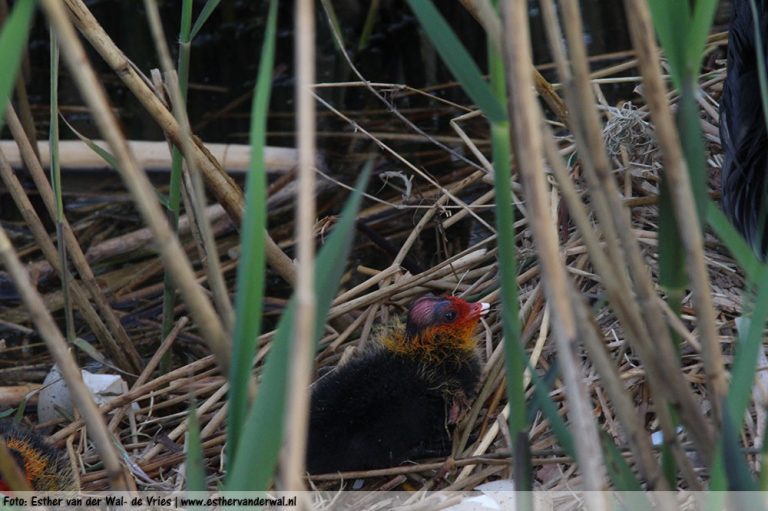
(449, 316)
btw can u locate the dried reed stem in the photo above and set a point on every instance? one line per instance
(644, 40)
(297, 412)
(655, 346)
(171, 252)
(116, 341)
(526, 121)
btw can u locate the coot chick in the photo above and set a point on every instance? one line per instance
(743, 132)
(396, 400)
(44, 467)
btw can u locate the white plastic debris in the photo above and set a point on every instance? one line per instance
(55, 399)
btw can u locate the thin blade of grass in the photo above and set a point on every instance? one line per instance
(100, 151)
(621, 474)
(263, 429)
(692, 139)
(734, 242)
(671, 20)
(195, 461)
(108, 158)
(505, 222)
(737, 470)
(682, 35)
(672, 274)
(745, 361)
(368, 25)
(208, 9)
(672, 269)
(333, 19)
(55, 177)
(174, 188)
(13, 38)
(682, 39)
(458, 60)
(698, 31)
(250, 275)
(53, 129)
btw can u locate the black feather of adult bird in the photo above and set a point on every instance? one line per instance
(397, 400)
(743, 131)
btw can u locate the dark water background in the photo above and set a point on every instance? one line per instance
(225, 58)
(224, 64)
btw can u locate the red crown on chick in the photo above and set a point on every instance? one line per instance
(438, 327)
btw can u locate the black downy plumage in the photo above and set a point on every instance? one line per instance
(743, 130)
(395, 401)
(45, 467)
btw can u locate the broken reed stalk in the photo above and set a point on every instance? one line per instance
(526, 120)
(171, 252)
(689, 227)
(57, 346)
(303, 342)
(223, 187)
(116, 341)
(197, 193)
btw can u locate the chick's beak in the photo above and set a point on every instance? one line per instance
(479, 309)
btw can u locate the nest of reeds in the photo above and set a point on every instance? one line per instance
(427, 225)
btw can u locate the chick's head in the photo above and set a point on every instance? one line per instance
(438, 327)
